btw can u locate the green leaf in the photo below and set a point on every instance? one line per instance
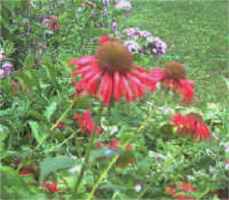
(50, 109)
(50, 165)
(37, 132)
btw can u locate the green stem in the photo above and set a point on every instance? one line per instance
(102, 176)
(63, 115)
(85, 164)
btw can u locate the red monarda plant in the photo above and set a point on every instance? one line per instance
(86, 123)
(191, 124)
(111, 74)
(173, 77)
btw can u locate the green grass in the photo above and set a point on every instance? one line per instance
(197, 35)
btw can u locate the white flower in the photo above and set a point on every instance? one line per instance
(138, 188)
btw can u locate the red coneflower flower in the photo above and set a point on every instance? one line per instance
(173, 77)
(51, 186)
(86, 123)
(111, 74)
(192, 124)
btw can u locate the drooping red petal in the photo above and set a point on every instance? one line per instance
(126, 89)
(202, 131)
(157, 74)
(85, 60)
(105, 88)
(145, 78)
(84, 70)
(186, 89)
(89, 123)
(92, 83)
(136, 85)
(109, 90)
(117, 88)
(81, 62)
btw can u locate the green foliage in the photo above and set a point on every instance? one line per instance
(39, 96)
(51, 165)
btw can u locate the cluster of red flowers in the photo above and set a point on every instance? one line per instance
(179, 191)
(86, 123)
(111, 75)
(191, 124)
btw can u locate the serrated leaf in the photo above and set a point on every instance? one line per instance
(37, 132)
(50, 165)
(50, 109)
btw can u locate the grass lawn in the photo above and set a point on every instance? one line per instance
(197, 35)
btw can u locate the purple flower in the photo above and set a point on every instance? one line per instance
(157, 46)
(133, 32)
(133, 47)
(145, 34)
(7, 67)
(6, 70)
